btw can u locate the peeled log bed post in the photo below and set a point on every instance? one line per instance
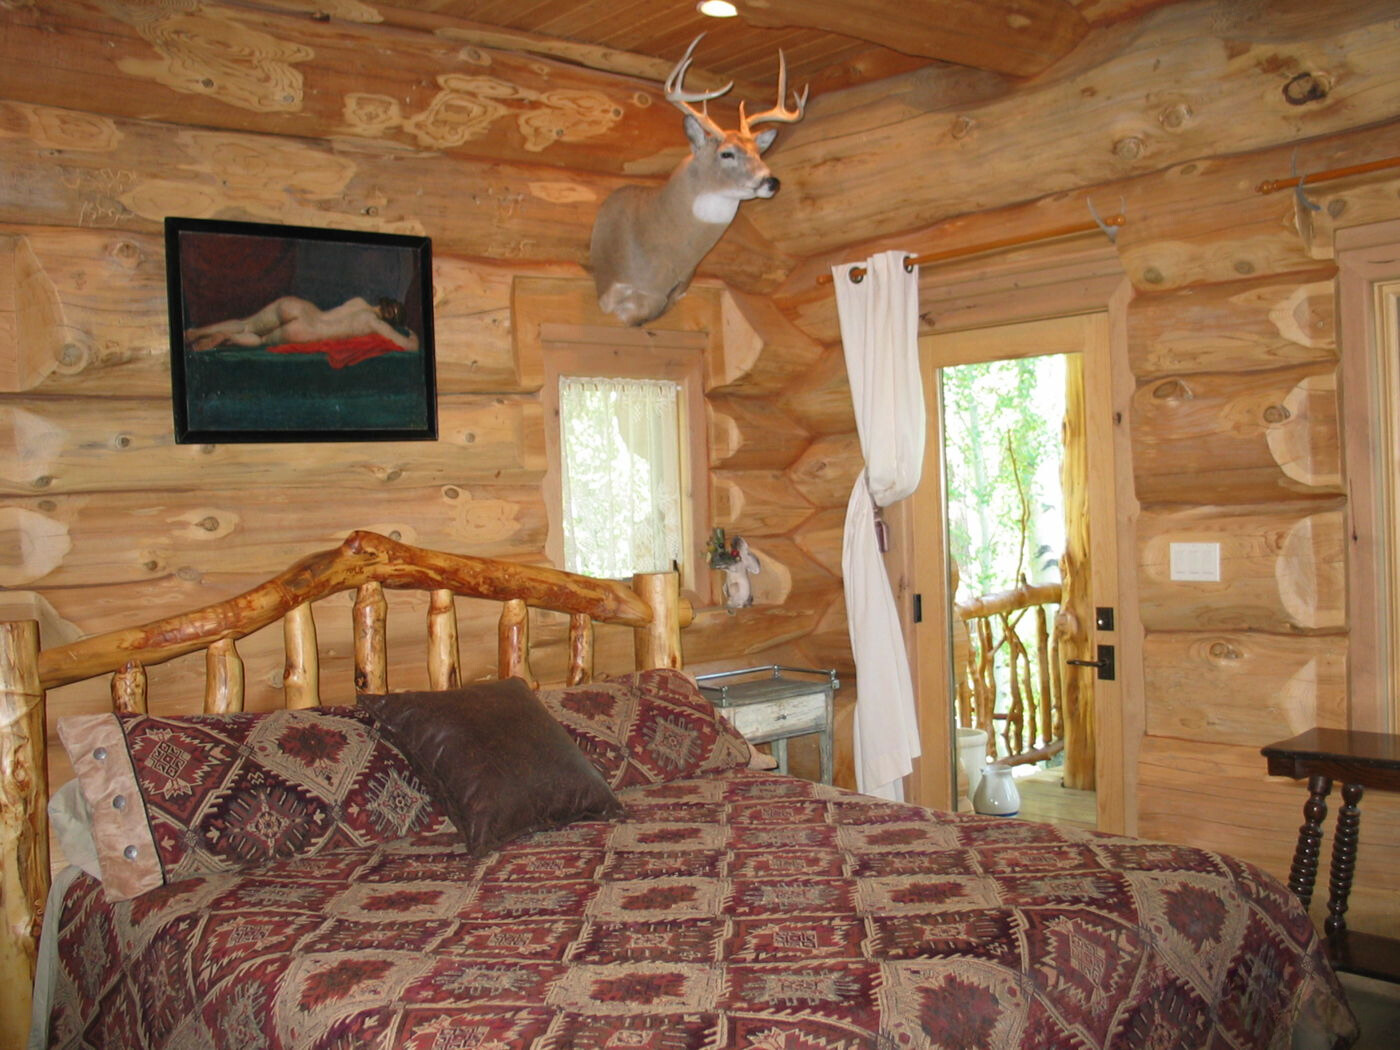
(366, 563)
(24, 837)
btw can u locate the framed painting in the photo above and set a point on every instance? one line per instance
(292, 333)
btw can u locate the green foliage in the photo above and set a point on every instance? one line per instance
(1002, 450)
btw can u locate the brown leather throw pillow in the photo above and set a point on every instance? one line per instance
(495, 760)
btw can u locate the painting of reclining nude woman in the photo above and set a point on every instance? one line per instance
(290, 333)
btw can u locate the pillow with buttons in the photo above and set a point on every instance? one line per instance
(180, 796)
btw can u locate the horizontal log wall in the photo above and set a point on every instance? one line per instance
(1230, 339)
(1174, 117)
(119, 119)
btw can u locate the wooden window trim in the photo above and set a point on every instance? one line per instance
(580, 350)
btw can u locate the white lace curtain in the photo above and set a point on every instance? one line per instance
(621, 466)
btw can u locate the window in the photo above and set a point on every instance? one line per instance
(584, 483)
(621, 475)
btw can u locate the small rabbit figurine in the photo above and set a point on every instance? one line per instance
(738, 592)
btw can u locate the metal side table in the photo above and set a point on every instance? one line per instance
(778, 706)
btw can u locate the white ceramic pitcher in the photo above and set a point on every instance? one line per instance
(997, 794)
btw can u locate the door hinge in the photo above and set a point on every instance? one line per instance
(918, 608)
(1107, 667)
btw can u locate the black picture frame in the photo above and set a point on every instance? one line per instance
(292, 333)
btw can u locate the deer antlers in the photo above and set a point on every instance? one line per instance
(682, 99)
(779, 114)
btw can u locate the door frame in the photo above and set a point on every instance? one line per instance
(996, 296)
(1368, 295)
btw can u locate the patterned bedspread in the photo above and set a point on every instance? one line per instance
(743, 910)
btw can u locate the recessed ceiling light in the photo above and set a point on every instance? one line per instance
(716, 8)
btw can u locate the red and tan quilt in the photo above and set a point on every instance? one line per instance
(736, 910)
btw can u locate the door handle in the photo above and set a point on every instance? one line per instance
(1106, 664)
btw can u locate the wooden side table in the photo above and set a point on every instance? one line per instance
(778, 706)
(1359, 761)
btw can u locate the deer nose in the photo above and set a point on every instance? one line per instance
(769, 186)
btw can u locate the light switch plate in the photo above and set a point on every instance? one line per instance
(1195, 561)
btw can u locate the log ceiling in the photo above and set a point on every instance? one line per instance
(830, 44)
(547, 105)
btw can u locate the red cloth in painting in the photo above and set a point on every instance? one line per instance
(342, 353)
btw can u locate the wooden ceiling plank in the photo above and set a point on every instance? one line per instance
(590, 56)
(1019, 37)
(597, 22)
(521, 14)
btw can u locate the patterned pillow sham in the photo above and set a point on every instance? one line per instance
(181, 796)
(647, 727)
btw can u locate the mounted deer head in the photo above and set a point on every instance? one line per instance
(648, 240)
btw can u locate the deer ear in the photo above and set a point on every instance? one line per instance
(695, 131)
(765, 138)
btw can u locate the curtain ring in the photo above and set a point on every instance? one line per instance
(856, 274)
(909, 264)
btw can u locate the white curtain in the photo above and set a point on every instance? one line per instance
(621, 465)
(879, 326)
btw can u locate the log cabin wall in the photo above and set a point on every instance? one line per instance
(115, 114)
(118, 114)
(1230, 339)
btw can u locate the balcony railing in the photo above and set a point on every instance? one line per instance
(1003, 663)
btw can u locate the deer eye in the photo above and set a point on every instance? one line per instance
(726, 154)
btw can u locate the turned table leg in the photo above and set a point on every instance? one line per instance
(1343, 859)
(1302, 876)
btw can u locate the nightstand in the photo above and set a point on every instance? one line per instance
(773, 704)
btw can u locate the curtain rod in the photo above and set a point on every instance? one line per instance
(911, 261)
(1274, 185)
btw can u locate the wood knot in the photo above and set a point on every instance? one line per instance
(1175, 117)
(209, 523)
(1172, 390)
(1277, 414)
(963, 126)
(1305, 88)
(1224, 651)
(1129, 147)
(72, 356)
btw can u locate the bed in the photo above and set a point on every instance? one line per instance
(587, 864)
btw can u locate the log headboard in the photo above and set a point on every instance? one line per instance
(365, 563)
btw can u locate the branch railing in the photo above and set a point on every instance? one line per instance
(1031, 727)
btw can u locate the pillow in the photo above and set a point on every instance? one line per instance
(494, 758)
(647, 727)
(181, 796)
